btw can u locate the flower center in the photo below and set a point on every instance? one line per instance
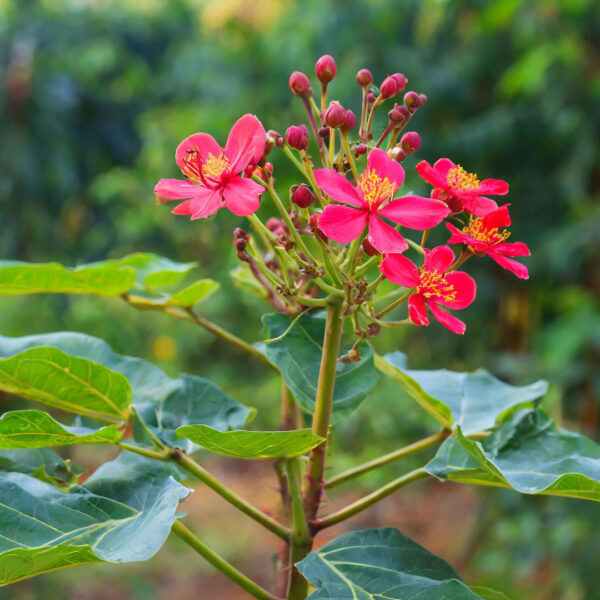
(488, 235)
(435, 285)
(215, 166)
(374, 188)
(460, 179)
(211, 169)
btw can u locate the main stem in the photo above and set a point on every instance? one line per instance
(301, 545)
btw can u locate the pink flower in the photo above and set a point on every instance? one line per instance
(433, 286)
(368, 202)
(462, 191)
(483, 235)
(214, 174)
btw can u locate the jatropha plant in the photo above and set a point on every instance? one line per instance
(346, 260)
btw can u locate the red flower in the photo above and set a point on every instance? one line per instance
(461, 190)
(368, 201)
(214, 174)
(483, 236)
(433, 285)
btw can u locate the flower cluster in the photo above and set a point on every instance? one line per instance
(346, 228)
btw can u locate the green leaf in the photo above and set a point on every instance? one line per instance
(194, 293)
(162, 402)
(123, 513)
(50, 376)
(298, 356)
(472, 401)
(381, 563)
(527, 453)
(488, 594)
(251, 444)
(37, 429)
(43, 464)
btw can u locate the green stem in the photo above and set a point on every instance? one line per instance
(331, 146)
(415, 246)
(220, 563)
(349, 156)
(364, 503)
(366, 265)
(395, 304)
(313, 181)
(299, 524)
(386, 459)
(144, 451)
(198, 471)
(288, 152)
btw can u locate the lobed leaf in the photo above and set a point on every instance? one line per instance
(123, 513)
(472, 401)
(381, 563)
(527, 453)
(298, 356)
(251, 444)
(37, 429)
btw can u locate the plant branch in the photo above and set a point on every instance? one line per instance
(220, 563)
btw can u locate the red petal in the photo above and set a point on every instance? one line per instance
(439, 259)
(417, 310)
(183, 209)
(400, 270)
(493, 186)
(342, 223)
(338, 187)
(479, 206)
(241, 196)
(245, 143)
(512, 249)
(430, 175)
(446, 319)
(511, 265)
(379, 161)
(442, 166)
(416, 212)
(385, 238)
(465, 288)
(497, 218)
(202, 143)
(175, 189)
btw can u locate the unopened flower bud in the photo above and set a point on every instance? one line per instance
(389, 87)
(240, 239)
(371, 98)
(249, 171)
(412, 101)
(360, 150)
(335, 115)
(297, 137)
(300, 84)
(369, 248)
(268, 170)
(325, 69)
(279, 141)
(401, 81)
(302, 196)
(313, 222)
(410, 142)
(364, 78)
(397, 154)
(399, 114)
(423, 99)
(350, 121)
(324, 132)
(276, 226)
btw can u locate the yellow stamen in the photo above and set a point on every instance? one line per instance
(435, 285)
(374, 188)
(215, 166)
(461, 179)
(488, 235)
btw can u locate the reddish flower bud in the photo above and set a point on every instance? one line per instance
(397, 154)
(313, 222)
(399, 114)
(324, 132)
(401, 81)
(389, 88)
(276, 226)
(360, 150)
(368, 248)
(412, 101)
(423, 99)
(268, 169)
(240, 239)
(350, 121)
(302, 196)
(325, 69)
(279, 141)
(364, 78)
(297, 137)
(335, 115)
(300, 84)
(410, 142)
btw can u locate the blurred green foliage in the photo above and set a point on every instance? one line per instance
(96, 94)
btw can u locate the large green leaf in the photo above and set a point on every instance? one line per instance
(194, 293)
(123, 513)
(53, 377)
(472, 401)
(251, 444)
(298, 356)
(41, 463)
(162, 402)
(37, 429)
(527, 453)
(381, 563)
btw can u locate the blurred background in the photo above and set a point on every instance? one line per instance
(95, 96)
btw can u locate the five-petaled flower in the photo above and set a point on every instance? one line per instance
(484, 235)
(462, 191)
(369, 201)
(214, 174)
(433, 286)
